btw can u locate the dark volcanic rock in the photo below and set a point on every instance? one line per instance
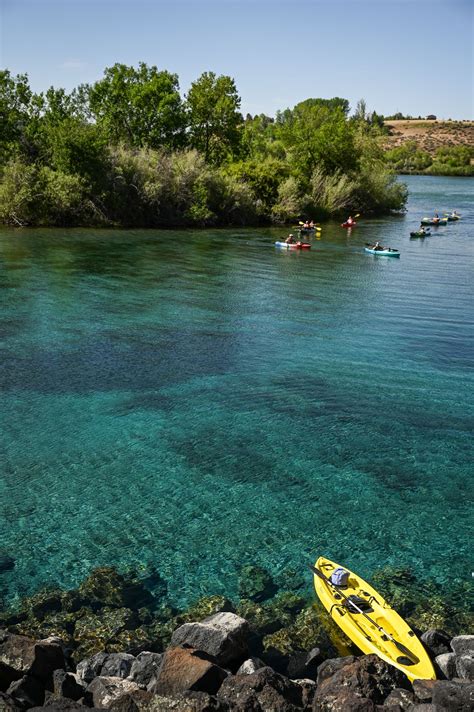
(399, 700)
(62, 705)
(436, 641)
(423, 690)
(66, 685)
(20, 655)
(263, 690)
(304, 665)
(223, 636)
(333, 665)
(465, 667)
(90, 668)
(365, 682)
(184, 669)
(186, 702)
(117, 665)
(7, 703)
(27, 692)
(132, 701)
(106, 690)
(452, 695)
(145, 668)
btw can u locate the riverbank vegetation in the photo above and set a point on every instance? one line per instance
(130, 150)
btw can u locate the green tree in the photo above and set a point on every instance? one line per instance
(16, 108)
(215, 123)
(141, 107)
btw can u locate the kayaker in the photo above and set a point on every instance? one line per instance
(377, 246)
(290, 239)
(436, 218)
(349, 220)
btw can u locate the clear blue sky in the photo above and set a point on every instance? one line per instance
(414, 56)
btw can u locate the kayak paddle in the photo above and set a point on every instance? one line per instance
(400, 646)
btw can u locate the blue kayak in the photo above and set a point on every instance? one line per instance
(383, 253)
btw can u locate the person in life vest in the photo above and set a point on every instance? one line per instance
(349, 220)
(290, 239)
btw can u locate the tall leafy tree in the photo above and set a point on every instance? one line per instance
(214, 118)
(16, 107)
(141, 107)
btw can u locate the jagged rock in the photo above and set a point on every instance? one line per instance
(447, 664)
(66, 684)
(223, 636)
(106, 690)
(132, 701)
(7, 703)
(465, 667)
(399, 700)
(42, 603)
(7, 562)
(117, 665)
(145, 668)
(333, 665)
(27, 692)
(90, 668)
(20, 656)
(436, 641)
(256, 584)
(62, 705)
(306, 630)
(263, 690)
(186, 702)
(423, 690)
(424, 707)
(106, 587)
(250, 666)
(184, 669)
(308, 689)
(463, 645)
(304, 665)
(367, 680)
(451, 695)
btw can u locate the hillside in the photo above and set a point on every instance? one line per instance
(430, 135)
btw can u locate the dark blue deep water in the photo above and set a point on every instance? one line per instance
(198, 400)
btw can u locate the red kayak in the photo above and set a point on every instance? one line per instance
(294, 245)
(346, 224)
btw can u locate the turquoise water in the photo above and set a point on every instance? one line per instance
(199, 400)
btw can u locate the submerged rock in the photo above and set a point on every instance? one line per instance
(106, 587)
(256, 584)
(7, 562)
(203, 608)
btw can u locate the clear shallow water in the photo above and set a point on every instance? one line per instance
(199, 400)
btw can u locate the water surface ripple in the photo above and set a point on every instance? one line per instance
(197, 400)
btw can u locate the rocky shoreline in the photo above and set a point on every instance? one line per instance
(116, 643)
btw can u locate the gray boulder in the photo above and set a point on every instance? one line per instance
(465, 667)
(423, 690)
(447, 664)
(106, 690)
(89, 668)
(250, 666)
(132, 701)
(333, 665)
(463, 645)
(181, 702)
(117, 665)
(223, 636)
(145, 668)
(185, 669)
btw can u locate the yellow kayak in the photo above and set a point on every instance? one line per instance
(386, 634)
